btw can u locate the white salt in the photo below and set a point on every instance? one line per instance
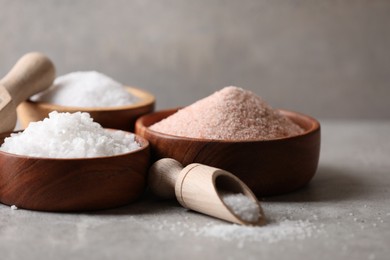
(86, 89)
(13, 207)
(242, 206)
(270, 233)
(277, 229)
(66, 135)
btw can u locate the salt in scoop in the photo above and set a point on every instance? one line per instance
(202, 188)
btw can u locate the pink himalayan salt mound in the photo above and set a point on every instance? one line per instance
(229, 114)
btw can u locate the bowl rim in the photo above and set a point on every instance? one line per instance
(144, 146)
(315, 126)
(147, 99)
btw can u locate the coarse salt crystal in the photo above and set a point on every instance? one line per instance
(65, 135)
(242, 206)
(229, 114)
(277, 229)
(13, 207)
(270, 233)
(86, 89)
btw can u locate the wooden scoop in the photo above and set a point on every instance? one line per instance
(200, 188)
(33, 73)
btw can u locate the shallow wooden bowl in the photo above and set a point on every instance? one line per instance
(268, 167)
(73, 184)
(121, 117)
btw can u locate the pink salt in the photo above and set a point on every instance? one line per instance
(229, 114)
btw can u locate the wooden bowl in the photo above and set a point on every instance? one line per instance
(121, 117)
(78, 184)
(268, 167)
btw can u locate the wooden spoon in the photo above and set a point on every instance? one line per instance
(33, 73)
(200, 188)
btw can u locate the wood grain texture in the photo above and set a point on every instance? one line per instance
(122, 117)
(269, 167)
(73, 184)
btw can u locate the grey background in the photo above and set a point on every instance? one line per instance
(329, 59)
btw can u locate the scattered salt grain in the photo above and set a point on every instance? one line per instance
(242, 206)
(270, 233)
(277, 229)
(13, 207)
(229, 114)
(86, 89)
(65, 135)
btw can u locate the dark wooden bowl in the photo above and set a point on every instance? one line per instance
(268, 167)
(121, 117)
(73, 184)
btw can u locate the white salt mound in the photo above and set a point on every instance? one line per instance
(229, 114)
(66, 135)
(86, 89)
(242, 206)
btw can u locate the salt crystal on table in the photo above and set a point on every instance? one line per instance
(271, 233)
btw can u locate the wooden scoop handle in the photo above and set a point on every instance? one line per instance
(162, 177)
(33, 73)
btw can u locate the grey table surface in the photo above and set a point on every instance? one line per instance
(348, 201)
